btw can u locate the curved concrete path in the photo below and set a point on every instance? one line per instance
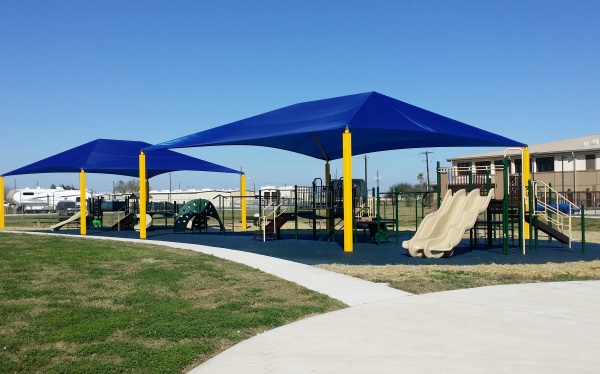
(529, 328)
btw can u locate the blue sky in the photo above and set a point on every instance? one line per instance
(75, 71)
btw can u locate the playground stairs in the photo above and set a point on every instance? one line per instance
(274, 224)
(126, 221)
(552, 213)
(550, 231)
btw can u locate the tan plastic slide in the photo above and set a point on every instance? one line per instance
(59, 225)
(430, 225)
(148, 222)
(439, 236)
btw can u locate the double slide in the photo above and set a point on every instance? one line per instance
(442, 230)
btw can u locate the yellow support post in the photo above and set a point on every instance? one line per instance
(328, 199)
(526, 176)
(82, 204)
(348, 213)
(243, 197)
(143, 194)
(2, 202)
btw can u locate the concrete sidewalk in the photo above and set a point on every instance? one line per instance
(531, 328)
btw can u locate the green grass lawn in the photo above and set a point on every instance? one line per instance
(79, 305)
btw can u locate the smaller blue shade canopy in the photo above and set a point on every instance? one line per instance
(120, 157)
(377, 123)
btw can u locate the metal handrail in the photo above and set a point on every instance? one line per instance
(119, 211)
(264, 218)
(562, 220)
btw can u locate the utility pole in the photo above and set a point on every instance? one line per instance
(426, 153)
(366, 181)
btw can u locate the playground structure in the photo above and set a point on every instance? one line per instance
(195, 214)
(489, 203)
(500, 211)
(125, 213)
(532, 206)
(319, 209)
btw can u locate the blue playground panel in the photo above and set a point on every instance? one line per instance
(563, 208)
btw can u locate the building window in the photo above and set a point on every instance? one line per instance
(518, 164)
(463, 168)
(483, 166)
(544, 164)
(590, 162)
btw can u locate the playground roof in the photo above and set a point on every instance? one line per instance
(377, 123)
(106, 156)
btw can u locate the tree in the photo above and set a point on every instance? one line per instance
(404, 189)
(131, 186)
(420, 178)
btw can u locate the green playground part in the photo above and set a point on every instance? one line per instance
(194, 215)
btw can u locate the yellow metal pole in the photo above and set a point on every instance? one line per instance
(526, 176)
(243, 197)
(328, 199)
(82, 204)
(143, 195)
(2, 202)
(348, 213)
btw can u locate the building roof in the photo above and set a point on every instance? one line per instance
(583, 144)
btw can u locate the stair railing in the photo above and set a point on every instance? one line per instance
(548, 204)
(119, 218)
(265, 218)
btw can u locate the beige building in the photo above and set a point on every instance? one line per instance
(572, 166)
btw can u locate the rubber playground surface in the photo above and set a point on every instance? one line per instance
(311, 252)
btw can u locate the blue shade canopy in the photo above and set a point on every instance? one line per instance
(377, 123)
(120, 157)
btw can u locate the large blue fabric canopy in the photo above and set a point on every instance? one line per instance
(120, 157)
(377, 123)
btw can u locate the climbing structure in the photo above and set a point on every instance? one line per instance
(194, 215)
